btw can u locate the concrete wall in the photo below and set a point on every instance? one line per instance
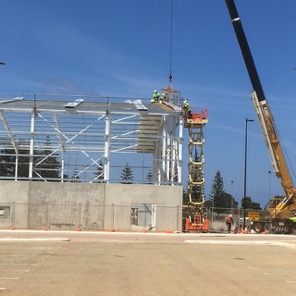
(12, 192)
(38, 205)
(167, 199)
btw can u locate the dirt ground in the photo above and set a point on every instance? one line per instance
(69, 263)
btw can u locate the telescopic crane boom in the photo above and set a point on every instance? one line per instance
(266, 121)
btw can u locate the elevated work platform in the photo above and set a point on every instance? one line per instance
(194, 122)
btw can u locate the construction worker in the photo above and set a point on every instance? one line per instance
(293, 218)
(164, 96)
(155, 97)
(229, 222)
(186, 107)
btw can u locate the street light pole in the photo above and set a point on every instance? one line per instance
(245, 171)
(231, 202)
(269, 172)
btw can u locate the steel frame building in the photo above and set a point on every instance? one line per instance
(92, 138)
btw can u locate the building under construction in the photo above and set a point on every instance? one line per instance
(71, 153)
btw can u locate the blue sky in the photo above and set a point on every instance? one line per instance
(121, 48)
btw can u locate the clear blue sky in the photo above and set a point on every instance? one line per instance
(121, 48)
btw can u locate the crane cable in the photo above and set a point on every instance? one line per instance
(171, 41)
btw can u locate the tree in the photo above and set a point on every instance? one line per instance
(149, 177)
(231, 202)
(219, 199)
(75, 178)
(9, 159)
(249, 204)
(49, 166)
(45, 163)
(126, 175)
(100, 172)
(185, 198)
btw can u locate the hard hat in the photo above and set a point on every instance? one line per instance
(155, 90)
(230, 215)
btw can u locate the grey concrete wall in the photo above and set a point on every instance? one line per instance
(66, 205)
(168, 201)
(12, 192)
(38, 205)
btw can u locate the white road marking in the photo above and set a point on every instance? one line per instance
(238, 242)
(14, 270)
(14, 239)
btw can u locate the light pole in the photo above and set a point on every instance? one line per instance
(269, 172)
(231, 203)
(245, 171)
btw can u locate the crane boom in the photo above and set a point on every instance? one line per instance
(266, 121)
(245, 49)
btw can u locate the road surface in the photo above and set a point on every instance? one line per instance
(102, 263)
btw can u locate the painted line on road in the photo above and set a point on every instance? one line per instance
(22, 239)
(237, 242)
(14, 270)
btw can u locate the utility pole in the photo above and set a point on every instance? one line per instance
(231, 204)
(245, 171)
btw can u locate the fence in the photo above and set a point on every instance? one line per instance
(132, 217)
(217, 217)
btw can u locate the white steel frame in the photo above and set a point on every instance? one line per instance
(107, 132)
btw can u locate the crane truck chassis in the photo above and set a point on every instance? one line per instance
(280, 209)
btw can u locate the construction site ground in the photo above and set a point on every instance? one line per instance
(113, 263)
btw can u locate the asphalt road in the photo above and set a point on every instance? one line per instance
(83, 263)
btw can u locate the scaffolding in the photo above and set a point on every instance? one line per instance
(90, 139)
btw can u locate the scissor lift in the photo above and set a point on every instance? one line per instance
(194, 122)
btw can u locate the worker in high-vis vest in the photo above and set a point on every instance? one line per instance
(293, 218)
(155, 97)
(186, 107)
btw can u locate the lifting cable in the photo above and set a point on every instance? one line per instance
(171, 41)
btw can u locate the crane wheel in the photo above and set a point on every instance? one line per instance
(258, 227)
(267, 227)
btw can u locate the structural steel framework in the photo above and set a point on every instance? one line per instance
(90, 139)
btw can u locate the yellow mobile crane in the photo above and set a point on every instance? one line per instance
(280, 209)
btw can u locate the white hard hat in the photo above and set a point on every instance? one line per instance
(155, 90)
